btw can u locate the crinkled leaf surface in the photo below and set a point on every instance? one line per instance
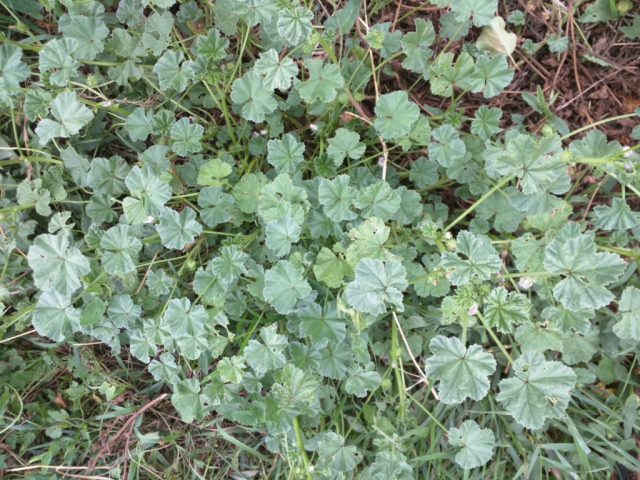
(337, 196)
(322, 83)
(267, 354)
(473, 257)
(70, 116)
(54, 317)
(284, 285)
(377, 284)
(538, 390)
(586, 271)
(178, 229)
(120, 248)
(378, 200)
(285, 154)
(277, 73)
(461, 372)
(618, 216)
(629, 311)
(57, 266)
(250, 93)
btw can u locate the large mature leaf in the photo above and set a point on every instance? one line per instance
(89, 32)
(481, 259)
(250, 93)
(368, 242)
(322, 325)
(377, 284)
(444, 73)
(491, 76)
(123, 312)
(587, 271)
(294, 24)
(537, 391)
(629, 311)
(120, 248)
(149, 194)
(56, 266)
(331, 268)
(395, 114)
(211, 46)
(335, 455)
(361, 381)
(70, 116)
(477, 444)
(267, 354)
(107, 176)
(174, 72)
(506, 218)
(248, 190)
(278, 73)
(229, 263)
(209, 284)
(157, 31)
(322, 82)
(618, 216)
(415, 45)
(449, 148)
(54, 317)
(216, 206)
(178, 229)
(284, 285)
(281, 234)
(132, 50)
(504, 309)
(336, 196)
(185, 137)
(462, 372)
(138, 124)
(480, 11)
(189, 401)
(567, 320)
(345, 144)
(285, 154)
(378, 200)
(486, 122)
(57, 56)
(185, 324)
(536, 162)
(12, 71)
(424, 172)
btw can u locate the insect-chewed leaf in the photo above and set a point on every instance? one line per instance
(537, 391)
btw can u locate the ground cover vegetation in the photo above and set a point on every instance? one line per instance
(364, 239)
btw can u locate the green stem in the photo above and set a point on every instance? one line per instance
(595, 124)
(396, 357)
(478, 202)
(15, 208)
(303, 452)
(495, 338)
